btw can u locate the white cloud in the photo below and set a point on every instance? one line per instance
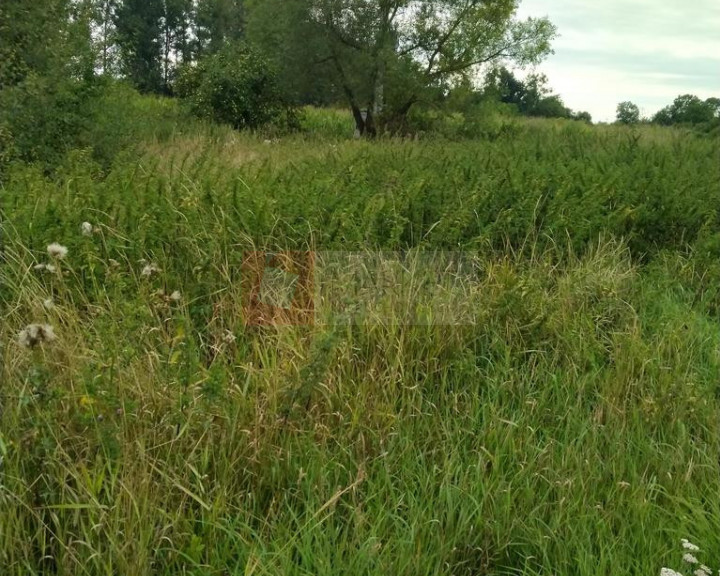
(640, 50)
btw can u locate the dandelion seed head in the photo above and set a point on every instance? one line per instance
(57, 251)
(35, 334)
(86, 228)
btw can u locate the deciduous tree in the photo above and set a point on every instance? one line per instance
(384, 55)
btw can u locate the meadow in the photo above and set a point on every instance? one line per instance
(571, 428)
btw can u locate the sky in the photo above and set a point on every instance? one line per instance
(645, 51)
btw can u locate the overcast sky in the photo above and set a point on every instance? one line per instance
(646, 51)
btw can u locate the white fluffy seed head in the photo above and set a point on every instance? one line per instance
(56, 250)
(176, 296)
(150, 270)
(35, 334)
(86, 228)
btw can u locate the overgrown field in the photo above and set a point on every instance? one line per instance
(573, 427)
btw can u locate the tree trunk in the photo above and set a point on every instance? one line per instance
(364, 122)
(396, 122)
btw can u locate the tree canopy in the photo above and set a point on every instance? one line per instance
(387, 55)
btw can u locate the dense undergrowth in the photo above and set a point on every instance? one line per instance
(572, 427)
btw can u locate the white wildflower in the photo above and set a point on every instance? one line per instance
(176, 296)
(690, 559)
(35, 334)
(57, 251)
(149, 270)
(86, 228)
(689, 546)
(49, 303)
(229, 337)
(669, 572)
(50, 268)
(701, 572)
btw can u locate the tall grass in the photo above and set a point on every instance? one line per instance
(573, 427)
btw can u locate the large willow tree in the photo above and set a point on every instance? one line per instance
(384, 55)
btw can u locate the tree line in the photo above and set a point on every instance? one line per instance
(380, 57)
(685, 109)
(246, 62)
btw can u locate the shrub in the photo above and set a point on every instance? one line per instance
(45, 116)
(235, 86)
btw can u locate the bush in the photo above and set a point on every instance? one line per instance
(43, 117)
(235, 86)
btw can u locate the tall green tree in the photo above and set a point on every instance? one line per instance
(218, 23)
(289, 38)
(531, 96)
(385, 55)
(138, 26)
(687, 109)
(32, 35)
(153, 38)
(104, 35)
(175, 41)
(627, 113)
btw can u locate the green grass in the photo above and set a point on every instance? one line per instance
(572, 427)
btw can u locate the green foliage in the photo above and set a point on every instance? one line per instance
(386, 56)
(153, 37)
(236, 86)
(42, 120)
(138, 36)
(31, 37)
(689, 109)
(571, 428)
(530, 97)
(628, 113)
(219, 22)
(45, 116)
